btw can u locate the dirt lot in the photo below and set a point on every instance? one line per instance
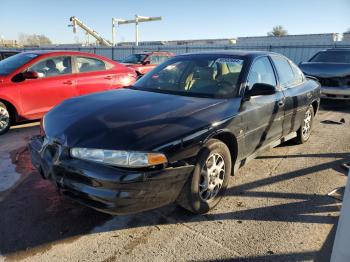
(276, 208)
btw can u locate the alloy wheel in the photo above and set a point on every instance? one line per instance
(4, 119)
(212, 177)
(306, 128)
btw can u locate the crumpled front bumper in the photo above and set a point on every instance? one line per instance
(335, 92)
(106, 188)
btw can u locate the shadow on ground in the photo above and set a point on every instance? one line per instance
(335, 105)
(34, 216)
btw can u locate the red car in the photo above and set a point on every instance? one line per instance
(31, 83)
(145, 61)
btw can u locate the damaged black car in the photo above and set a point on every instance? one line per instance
(177, 134)
(331, 67)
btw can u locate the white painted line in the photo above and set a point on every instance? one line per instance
(8, 175)
(341, 250)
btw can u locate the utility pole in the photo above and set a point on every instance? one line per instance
(115, 23)
(138, 19)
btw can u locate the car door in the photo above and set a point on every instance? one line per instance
(93, 75)
(263, 114)
(55, 84)
(292, 82)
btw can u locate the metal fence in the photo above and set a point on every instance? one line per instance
(297, 53)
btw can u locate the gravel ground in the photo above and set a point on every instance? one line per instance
(277, 208)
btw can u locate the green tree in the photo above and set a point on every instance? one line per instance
(278, 30)
(33, 39)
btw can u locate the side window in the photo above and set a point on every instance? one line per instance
(298, 74)
(89, 64)
(154, 59)
(53, 66)
(261, 72)
(162, 59)
(284, 70)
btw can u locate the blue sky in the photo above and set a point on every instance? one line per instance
(182, 19)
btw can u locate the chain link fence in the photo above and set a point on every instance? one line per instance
(297, 53)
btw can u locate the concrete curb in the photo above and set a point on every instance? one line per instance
(341, 250)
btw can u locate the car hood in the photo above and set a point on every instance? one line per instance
(325, 70)
(129, 119)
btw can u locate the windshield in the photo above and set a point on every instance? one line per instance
(10, 64)
(134, 59)
(200, 76)
(332, 57)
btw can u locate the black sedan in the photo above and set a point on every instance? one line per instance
(177, 134)
(332, 69)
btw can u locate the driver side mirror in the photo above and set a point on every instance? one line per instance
(260, 89)
(147, 62)
(26, 75)
(30, 75)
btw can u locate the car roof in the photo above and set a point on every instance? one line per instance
(42, 52)
(241, 53)
(67, 52)
(152, 52)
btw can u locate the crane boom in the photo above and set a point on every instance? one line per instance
(76, 22)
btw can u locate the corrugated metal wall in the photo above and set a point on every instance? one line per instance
(297, 53)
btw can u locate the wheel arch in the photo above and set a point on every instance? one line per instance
(315, 104)
(230, 141)
(12, 109)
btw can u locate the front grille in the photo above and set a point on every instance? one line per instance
(51, 152)
(334, 81)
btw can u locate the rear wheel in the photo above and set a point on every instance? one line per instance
(5, 119)
(208, 183)
(304, 132)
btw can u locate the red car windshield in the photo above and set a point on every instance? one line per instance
(10, 64)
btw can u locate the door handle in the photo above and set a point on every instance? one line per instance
(108, 77)
(68, 82)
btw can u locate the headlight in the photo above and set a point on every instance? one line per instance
(119, 158)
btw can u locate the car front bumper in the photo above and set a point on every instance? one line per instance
(105, 188)
(335, 92)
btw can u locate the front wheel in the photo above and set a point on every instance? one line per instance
(208, 183)
(304, 131)
(5, 119)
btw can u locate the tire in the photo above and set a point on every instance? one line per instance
(199, 196)
(304, 132)
(5, 119)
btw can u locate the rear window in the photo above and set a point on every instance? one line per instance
(332, 57)
(10, 64)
